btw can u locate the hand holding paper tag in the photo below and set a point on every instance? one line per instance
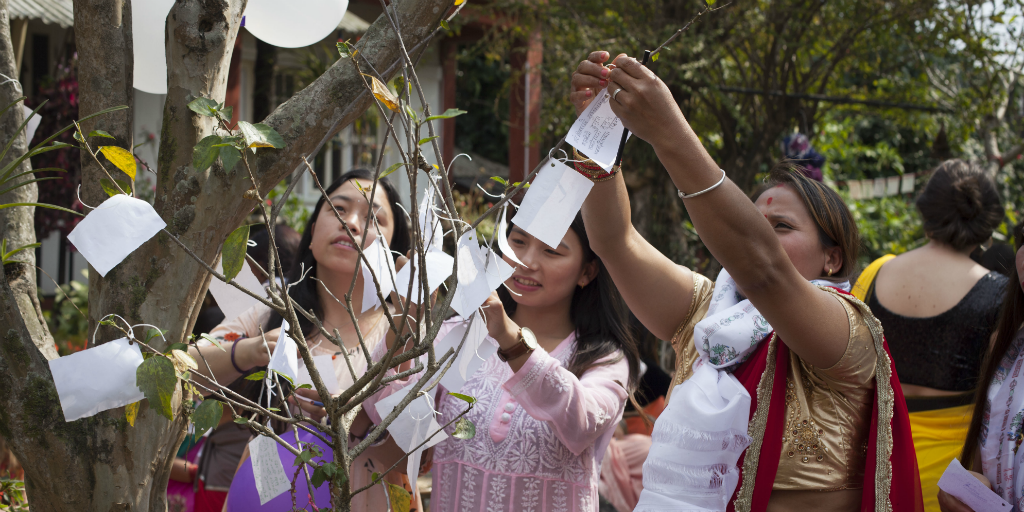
(84, 390)
(552, 202)
(597, 131)
(114, 230)
(962, 485)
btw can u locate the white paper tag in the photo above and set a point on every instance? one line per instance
(114, 230)
(474, 353)
(430, 225)
(960, 484)
(439, 268)
(383, 266)
(285, 358)
(477, 278)
(552, 201)
(97, 379)
(32, 126)
(503, 246)
(267, 469)
(232, 301)
(414, 424)
(324, 365)
(598, 131)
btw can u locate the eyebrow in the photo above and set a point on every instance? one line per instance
(343, 197)
(517, 229)
(784, 218)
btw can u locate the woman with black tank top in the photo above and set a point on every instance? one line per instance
(938, 309)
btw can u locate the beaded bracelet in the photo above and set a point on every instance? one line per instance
(591, 170)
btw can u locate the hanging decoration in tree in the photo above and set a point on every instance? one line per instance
(149, 21)
(293, 24)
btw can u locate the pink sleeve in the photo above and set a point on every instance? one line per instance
(370, 404)
(581, 410)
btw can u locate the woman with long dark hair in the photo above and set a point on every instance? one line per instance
(549, 400)
(939, 310)
(992, 449)
(325, 266)
(788, 399)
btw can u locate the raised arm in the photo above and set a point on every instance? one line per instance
(812, 322)
(657, 290)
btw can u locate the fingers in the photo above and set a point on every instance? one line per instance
(309, 402)
(632, 67)
(592, 70)
(948, 503)
(598, 56)
(582, 81)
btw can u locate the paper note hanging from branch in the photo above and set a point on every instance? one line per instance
(552, 201)
(598, 131)
(114, 230)
(383, 266)
(267, 469)
(84, 391)
(232, 301)
(475, 351)
(480, 272)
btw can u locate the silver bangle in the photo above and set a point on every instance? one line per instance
(705, 191)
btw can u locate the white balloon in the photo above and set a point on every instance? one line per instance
(293, 23)
(149, 19)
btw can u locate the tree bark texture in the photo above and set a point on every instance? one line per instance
(101, 463)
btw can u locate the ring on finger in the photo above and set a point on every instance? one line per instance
(616, 93)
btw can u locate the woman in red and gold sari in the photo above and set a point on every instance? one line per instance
(785, 397)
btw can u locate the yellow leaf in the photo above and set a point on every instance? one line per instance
(121, 158)
(401, 500)
(382, 93)
(183, 361)
(459, 2)
(131, 411)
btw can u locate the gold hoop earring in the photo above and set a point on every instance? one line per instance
(830, 272)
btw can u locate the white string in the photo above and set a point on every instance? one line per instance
(79, 193)
(499, 196)
(9, 80)
(130, 334)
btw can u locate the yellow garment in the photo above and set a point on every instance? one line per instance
(938, 438)
(860, 290)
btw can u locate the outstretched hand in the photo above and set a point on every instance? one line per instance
(641, 100)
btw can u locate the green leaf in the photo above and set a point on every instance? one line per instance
(7, 255)
(121, 158)
(204, 107)
(111, 190)
(400, 85)
(375, 477)
(392, 168)
(156, 379)
(225, 113)
(501, 180)
(464, 429)
(100, 133)
(233, 252)
(285, 377)
(78, 136)
(230, 156)
(302, 458)
(319, 477)
(213, 340)
(448, 114)
(260, 135)
(444, 25)
(241, 421)
(305, 386)
(153, 333)
(465, 398)
(426, 140)
(174, 346)
(204, 154)
(207, 416)
(260, 375)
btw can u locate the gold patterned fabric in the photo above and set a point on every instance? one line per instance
(828, 410)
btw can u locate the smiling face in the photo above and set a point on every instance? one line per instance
(798, 233)
(553, 273)
(331, 245)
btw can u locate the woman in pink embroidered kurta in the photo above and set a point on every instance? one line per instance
(543, 418)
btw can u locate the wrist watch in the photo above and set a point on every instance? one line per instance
(527, 343)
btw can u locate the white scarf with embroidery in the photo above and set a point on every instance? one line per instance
(702, 432)
(1002, 427)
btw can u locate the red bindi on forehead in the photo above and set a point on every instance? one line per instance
(770, 200)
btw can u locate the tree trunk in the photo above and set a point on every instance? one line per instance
(101, 463)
